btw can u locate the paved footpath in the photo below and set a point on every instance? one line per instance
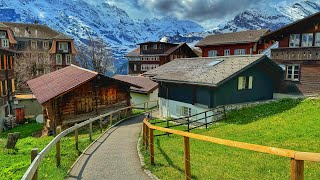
(113, 156)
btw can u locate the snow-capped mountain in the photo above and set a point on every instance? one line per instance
(81, 19)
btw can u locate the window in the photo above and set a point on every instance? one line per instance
(145, 47)
(45, 44)
(227, 52)
(5, 42)
(59, 59)
(245, 82)
(4, 87)
(212, 53)
(147, 67)
(239, 51)
(155, 46)
(307, 40)
(3, 34)
(63, 47)
(185, 111)
(317, 39)
(292, 72)
(294, 40)
(34, 44)
(68, 59)
(134, 67)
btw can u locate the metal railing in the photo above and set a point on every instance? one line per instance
(36, 158)
(297, 157)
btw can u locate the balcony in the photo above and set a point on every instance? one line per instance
(296, 54)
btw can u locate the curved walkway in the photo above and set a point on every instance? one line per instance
(113, 156)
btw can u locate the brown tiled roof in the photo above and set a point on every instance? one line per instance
(58, 82)
(25, 30)
(205, 71)
(233, 38)
(146, 84)
(135, 52)
(171, 50)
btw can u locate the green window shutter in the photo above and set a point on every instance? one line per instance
(250, 82)
(240, 80)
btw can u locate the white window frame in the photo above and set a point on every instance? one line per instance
(240, 52)
(68, 59)
(45, 44)
(212, 53)
(186, 111)
(245, 82)
(155, 46)
(309, 42)
(63, 46)
(134, 67)
(145, 47)
(295, 71)
(5, 43)
(294, 40)
(58, 59)
(317, 39)
(147, 67)
(3, 34)
(34, 44)
(227, 52)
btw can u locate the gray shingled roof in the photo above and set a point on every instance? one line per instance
(25, 30)
(233, 38)
(204, 71)
(146, 84)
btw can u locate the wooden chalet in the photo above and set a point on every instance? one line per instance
(73, 94)
(191, 86)
(235, 43)
(150, 55)
(299, 55)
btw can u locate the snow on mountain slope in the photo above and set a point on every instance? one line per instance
(80, 19)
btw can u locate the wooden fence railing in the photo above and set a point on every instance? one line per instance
(36, 158)
(297, 158)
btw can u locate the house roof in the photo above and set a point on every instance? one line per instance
(205, 71)
(146, 84)
(135, 52)
(25, 30)
(233, 38)
(299, 24)
(58, 82)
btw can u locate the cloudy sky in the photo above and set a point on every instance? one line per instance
(208, 13)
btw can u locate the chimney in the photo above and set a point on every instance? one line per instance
(36, 22)
(36, 32)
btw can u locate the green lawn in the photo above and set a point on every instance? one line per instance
(13, 163)
(290, 124)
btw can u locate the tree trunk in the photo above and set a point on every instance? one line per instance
(12, 140)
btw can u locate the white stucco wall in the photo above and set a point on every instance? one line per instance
(137, 98)
(169, 108)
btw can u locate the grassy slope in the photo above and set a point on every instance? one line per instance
(291, 124)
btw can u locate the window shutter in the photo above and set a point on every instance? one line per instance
(1, 88)
(13, 86)
(240, 79)
(250, 82)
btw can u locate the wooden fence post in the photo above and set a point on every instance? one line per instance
(110, 120)
(76, 134)
(224, 111)
(100, 124)
(151, 147)
(188, 124)
(147, 137)
(34, 153)
(297, 169)
(58, 152)
(144, 107)
(90, 131)
(205, 117)
(144, 134)
(187, 167)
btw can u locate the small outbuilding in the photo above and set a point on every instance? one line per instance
(73, 94)
(147, 93)
(191, 86)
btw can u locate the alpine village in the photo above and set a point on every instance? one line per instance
(234, 105)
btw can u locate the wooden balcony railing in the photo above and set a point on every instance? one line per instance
(301, 53)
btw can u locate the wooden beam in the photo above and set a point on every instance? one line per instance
(34, 153)
(187, 167)
(76, 138)
(90, 131)
(297, 169)
(58, 152)
(151, 147)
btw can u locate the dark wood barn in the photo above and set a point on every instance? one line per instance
(73, 94)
